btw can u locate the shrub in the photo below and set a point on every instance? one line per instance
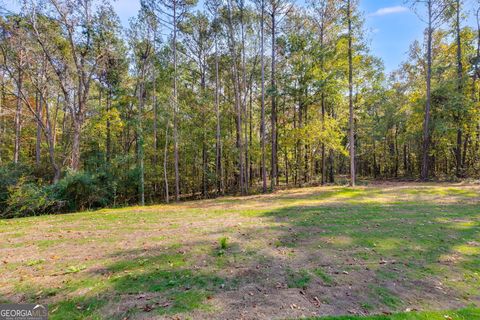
(21, 194)
(82, 190)
(29, 199)
(9, 176)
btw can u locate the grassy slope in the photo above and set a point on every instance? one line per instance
(303, 252)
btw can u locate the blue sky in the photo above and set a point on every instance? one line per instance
(392, 28)
(391, 24)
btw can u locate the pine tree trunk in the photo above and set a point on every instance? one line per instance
(218, 158)
(175, 105)
(350, 95)
(274, 106)
(458, 149)
(426, 121)
(238, 107)
(140, 141)
(262, 118)
(165, 162)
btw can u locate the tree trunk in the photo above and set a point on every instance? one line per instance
(218, 158)
(244, 100)
(397, 154)
(458, 149)
(77, 119)
(45, 126)
(140, 142)
(331, 173)
(75, 160)
(306, 177)
(108, 143)
(38, 142)
(374, 160)
(50, 135)
(350, 96)
(262, 118)
(426, 122)
(2, 122)
(274, 106)
(204, 133)
(175, 104)
(18, 119)
(2, 119)
(165, 173)
(324, 160)
(155, 109)
(204, 168)
(238, 108)
(250, 134)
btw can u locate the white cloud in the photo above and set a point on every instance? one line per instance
(388, 10)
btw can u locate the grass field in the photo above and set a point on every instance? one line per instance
(313, 252)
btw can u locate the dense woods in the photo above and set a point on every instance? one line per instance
(231, 97)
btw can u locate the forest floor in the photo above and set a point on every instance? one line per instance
(310, 252)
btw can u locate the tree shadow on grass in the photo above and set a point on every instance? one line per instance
(333, 258)
(157, 281)
(392, 256)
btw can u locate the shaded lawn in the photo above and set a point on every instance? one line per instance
(302, 252)
(464, 314)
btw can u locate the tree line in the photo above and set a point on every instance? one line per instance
(234, 96)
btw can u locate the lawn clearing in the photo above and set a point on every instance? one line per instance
(303, 252)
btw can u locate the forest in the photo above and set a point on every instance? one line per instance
(226, 97)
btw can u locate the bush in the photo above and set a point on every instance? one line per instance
(29, 199)
(82, 190)
(9, 176)
(22, 195)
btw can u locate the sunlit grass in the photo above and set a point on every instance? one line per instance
(186, 257)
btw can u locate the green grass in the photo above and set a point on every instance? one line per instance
(298, 279)
(464, 314)
(326, 278)
(79, 308)
(382, 248)
(385, 297)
